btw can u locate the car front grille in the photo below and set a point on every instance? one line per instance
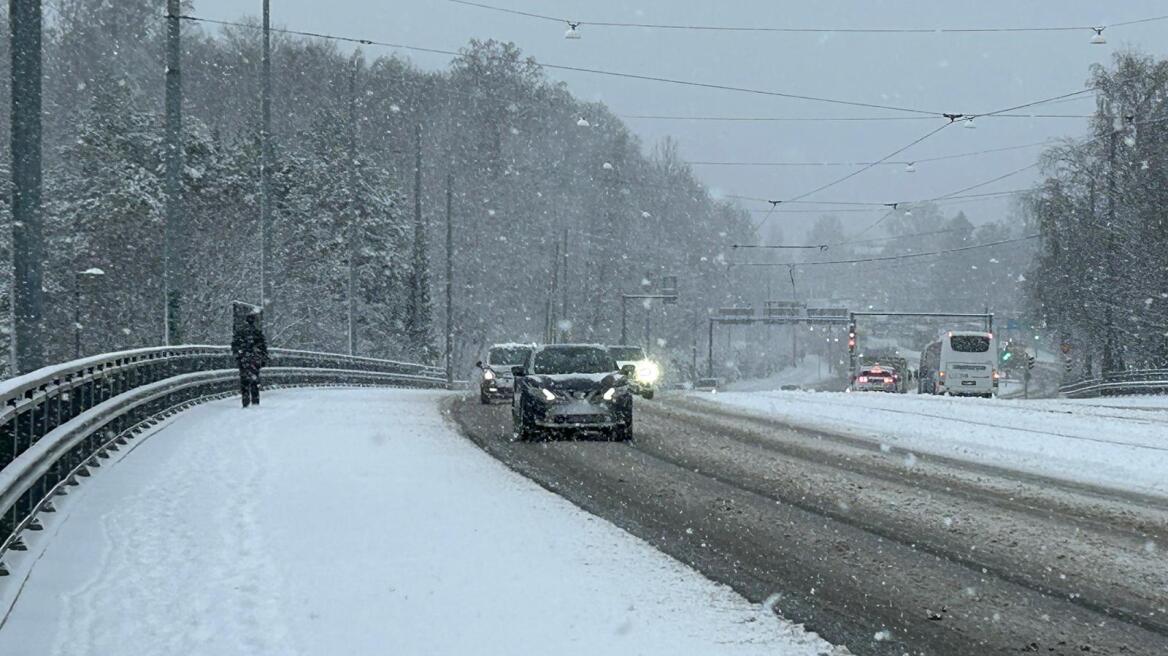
(581, 419)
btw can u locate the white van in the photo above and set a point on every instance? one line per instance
(961, 363)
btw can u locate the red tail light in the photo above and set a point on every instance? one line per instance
(862, 379)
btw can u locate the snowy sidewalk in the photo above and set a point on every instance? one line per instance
(355, 522)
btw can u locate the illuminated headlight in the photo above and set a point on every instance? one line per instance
(547, 395)
(488, 374)
(609, 393)
(648, 371)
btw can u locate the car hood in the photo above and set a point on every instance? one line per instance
(576, 382)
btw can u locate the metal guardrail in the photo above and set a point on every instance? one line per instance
(58, 422)
(1142, 381)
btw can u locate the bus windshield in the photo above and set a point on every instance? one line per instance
(969, 343)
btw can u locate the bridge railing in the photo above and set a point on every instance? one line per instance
(59, 422)
(1141, 381)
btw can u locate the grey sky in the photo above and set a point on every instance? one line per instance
(969, 73)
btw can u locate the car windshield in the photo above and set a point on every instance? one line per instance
(626, 353)
(508, 355)
(969, 343)
(573, 360)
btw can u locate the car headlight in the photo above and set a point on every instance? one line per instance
(648, 372)
(547, 395)
(609, 394)
(488, 374)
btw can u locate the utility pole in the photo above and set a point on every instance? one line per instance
(173, 260)
(1108, 318)
(266, 237)
(550, 313)
(25, 22)
(449, 281)
(564, 287)
(354, 210)
(418, 281)
(794, 326)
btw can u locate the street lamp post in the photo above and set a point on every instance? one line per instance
(92, 272)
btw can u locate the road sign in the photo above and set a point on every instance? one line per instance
(736, 315)
(827, 312)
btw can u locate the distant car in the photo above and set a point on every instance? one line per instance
(496, 381)
(706, 385)
(572, 388)
(644, 381)
(876, 379)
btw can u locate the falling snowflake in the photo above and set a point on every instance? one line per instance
(607, 166)
(646, 215)
(394, 108)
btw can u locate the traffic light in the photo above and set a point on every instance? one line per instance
(1030, 359)
(852, 336)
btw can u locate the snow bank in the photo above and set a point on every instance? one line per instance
(1112, 442)
(356, 522)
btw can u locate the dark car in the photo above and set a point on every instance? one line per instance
(572, 388)
(496, 383)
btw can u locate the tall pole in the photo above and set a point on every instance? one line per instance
(710, 352)
(417, 283)
(564, 287)
(624, 321)
(76, 315)
(354, 209)
(449, 281)
(794, 325)
(550, 316)
(25, 21)
(266, 237)
(173, 262)
(1109, 363)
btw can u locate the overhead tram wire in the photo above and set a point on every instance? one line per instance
(868, 167)
(923, 160)
(577, 69)
(960, 193)
(953, 118)
(809, 30)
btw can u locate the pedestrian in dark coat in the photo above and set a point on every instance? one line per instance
(251, 354)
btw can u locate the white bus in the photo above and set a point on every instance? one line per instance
(960, 363)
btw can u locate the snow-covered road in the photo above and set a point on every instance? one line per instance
(1120, 443)
(356, 522)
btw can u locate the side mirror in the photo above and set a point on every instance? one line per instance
(479, 364)
(518, 371)
(629, 370)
